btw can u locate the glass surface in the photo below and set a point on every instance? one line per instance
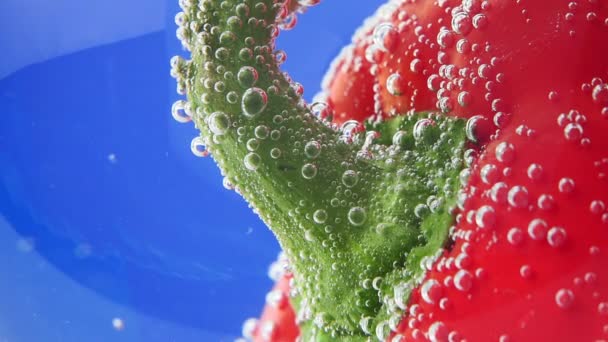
(110, 229)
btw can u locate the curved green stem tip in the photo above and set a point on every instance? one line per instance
(356, 213)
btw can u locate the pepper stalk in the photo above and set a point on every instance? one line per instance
(357, 214)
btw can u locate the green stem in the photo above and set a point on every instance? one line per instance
(354, 218)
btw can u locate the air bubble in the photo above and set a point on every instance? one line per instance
(471, 6)
(232, 97)
(219, 123)
(480, 21)
(320, 109)
(400, 138)
(309, 171)
(254, 101)
(518, 197)
(489, 174)
(525, 271)
(275, 153)
(564, 298)
(463, 46)
(475, 128)
(357, 216)
(573, 131)
(505, 152)
(350, 178)
(600, 94)
(433, 82)
(535, 171)
(252, 161)
(247, 76)
(197, 146)
(416, 66)
(537, 229)
(431, 291)
(420, 127)
(499, 192)
(597, 207)
(385, 36)
(382, 331)
(320, 216)
(179, 113)
(445, 38)
(312, 149)
(602, 308)
(252, 144)
(421, 210)
(249, 327)
(394, 84)
(566, 185)
(556, 236)
(485, 217)
(438, 332)
(546, 202)
(464, 98)
(463, 280)
(461, 23)
(515, 236)
(366, 323)
(261, 132)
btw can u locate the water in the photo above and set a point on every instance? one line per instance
(110, 228)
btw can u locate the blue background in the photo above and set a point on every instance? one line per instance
(104, 211)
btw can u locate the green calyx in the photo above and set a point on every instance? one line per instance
(357, 214)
